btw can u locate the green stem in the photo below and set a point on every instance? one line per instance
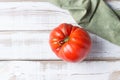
(66, 39)
(63, 41)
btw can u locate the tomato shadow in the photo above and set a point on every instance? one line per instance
(101, 48)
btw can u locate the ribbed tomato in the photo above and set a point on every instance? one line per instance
(70, 43)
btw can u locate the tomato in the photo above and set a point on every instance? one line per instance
(70, 43)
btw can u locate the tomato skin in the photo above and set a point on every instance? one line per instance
(69, 42)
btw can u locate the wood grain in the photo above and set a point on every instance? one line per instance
(24, 34)
(35, 15)
(32, 45)
(25, 28)
(58, 70)
(31, 16)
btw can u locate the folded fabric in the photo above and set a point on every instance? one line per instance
(95, 16)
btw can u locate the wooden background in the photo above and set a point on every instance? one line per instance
(25, 53)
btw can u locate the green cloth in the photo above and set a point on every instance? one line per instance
(95, 16)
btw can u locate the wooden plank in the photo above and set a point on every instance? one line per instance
(34, 45)
(31, 16)
(35, 15)
(58, 70)
(25, 45)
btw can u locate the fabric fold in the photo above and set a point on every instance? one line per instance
(95, 16)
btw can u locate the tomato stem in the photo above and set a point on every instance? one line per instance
(63, 41)
(66, 39)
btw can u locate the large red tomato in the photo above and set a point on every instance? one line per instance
(69, 42)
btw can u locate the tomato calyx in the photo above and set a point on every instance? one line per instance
(63, 41)
(66, 39)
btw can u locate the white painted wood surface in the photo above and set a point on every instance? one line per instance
(58, 70)
(24, 34)
(25, 28)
